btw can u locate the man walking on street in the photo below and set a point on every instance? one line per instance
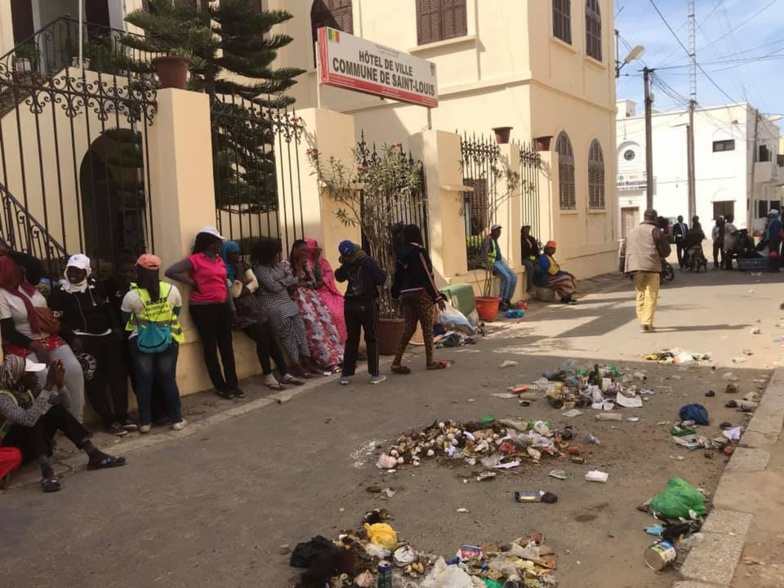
(495, 262)
(680, 231)
(717, 234)
(641, 258)
(360, 308)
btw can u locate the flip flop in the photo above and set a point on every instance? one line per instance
(400, 369)
(437, 365)
(106, 463)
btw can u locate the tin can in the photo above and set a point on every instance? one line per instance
(578, 460)
(659, 555)
(384, 575)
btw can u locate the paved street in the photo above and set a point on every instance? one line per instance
(212, 508)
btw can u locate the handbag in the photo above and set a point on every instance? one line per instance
(48, 320)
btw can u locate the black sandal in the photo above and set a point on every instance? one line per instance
(106, 463)
(51, 484)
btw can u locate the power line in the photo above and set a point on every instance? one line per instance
(745, 22)
(664, 20)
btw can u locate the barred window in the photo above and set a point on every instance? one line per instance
(438, 20)
(562, 20)
(566, 190)
(593, 29)
(596, 176)
(336, 14)
(477, 206)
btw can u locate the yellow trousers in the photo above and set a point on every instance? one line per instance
(647, 286)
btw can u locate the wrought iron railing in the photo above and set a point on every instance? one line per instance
(56, 46)
(530, 166)
(256, 170)
(480, 172)
(20, 231)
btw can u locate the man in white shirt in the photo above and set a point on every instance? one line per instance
(730, 238)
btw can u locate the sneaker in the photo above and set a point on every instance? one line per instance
(116, 429)
(179, 425)
(144, 429)
(378, 379)
(344, 381)
(128, 425)
(226, 394)
(238, 393)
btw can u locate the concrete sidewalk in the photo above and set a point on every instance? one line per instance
(746, 507)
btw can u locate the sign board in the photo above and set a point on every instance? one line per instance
(346, 61)
(638, 181)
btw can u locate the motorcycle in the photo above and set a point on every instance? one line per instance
(694, 259)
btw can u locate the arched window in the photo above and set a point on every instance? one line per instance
(593, 29)
(595, 176)
(566, 191)
(337, 14)
(438, 20)
(562, 20)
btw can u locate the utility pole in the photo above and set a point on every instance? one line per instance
(750, 200)
(646, 76)
(692, 183)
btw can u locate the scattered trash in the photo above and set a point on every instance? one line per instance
(597, 476)
(558, 474)
(570, 414)
(535, 496)
(677, 457)
(730, 376)
(386, 462)
(678, 500)
(578, 460)
(484, 476)
(463, 510)
(382, 534)
(388, 493)
(756, 330)
(678, 356)
(633, 419)
(747, 352)
(284, 549)
(695, 412)
(655, 530)
(628, 401)
(590, 438)
(733, 434)
(504, 395)
(660, 555)
(508, 363)
(608, 416)
(710, 394)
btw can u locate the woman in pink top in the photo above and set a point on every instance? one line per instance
(211, 308)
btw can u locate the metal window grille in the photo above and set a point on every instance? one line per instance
(479, 162)
(566, 186)
(438, 20)
(530, 165)
(593, 29)
(562, 20)
(336, 14)
(596, 198)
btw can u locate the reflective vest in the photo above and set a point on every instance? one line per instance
(159, 313)
(491, 252)
(6, 424)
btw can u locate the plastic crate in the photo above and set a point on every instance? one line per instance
(753, 264)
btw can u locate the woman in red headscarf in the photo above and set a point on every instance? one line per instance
(325, 286)
(30, 328)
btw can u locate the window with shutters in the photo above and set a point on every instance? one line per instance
(562, 20)
(593, 29)
(596, 176)
(439, 20)
(566, 190)
(336, 14)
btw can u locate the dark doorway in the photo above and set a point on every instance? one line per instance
(113, 195)
(723, 208)
(22, 20)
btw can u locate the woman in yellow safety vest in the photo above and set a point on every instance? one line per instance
(151, 311)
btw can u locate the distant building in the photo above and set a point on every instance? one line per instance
(736, 159)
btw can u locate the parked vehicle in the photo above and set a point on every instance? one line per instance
(668, 273)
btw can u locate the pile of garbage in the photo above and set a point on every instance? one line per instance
(487, 442)
(679, 356)
(571, 387)
(686, 432)
(373, 555)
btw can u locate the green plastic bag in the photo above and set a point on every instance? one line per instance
(493, 583)
(677, 499)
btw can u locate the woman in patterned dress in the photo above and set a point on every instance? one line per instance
(275, 286)
(322, 335)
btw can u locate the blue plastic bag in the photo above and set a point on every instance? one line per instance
(695, 412)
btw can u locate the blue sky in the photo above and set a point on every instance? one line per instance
(722, 37)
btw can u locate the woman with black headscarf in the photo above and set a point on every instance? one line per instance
(211, 308)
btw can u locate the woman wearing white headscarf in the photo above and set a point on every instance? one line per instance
(91, 329)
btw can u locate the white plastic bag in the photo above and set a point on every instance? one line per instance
(453, 319)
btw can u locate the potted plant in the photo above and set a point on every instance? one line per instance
(368, 195)
(27, 57)
(486, 304)
(543, 142)
(172, 68)
(502, 134)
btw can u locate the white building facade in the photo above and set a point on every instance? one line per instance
(737, 164)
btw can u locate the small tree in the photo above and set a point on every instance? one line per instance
(369, 194)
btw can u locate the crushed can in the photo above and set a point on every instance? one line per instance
(660, 555)
(384, 579)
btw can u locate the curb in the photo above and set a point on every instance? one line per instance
(713, 561)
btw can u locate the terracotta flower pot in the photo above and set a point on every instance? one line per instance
(390, 332)
(487, 307)
(502, 134)
(543, 143)
(172, 71)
